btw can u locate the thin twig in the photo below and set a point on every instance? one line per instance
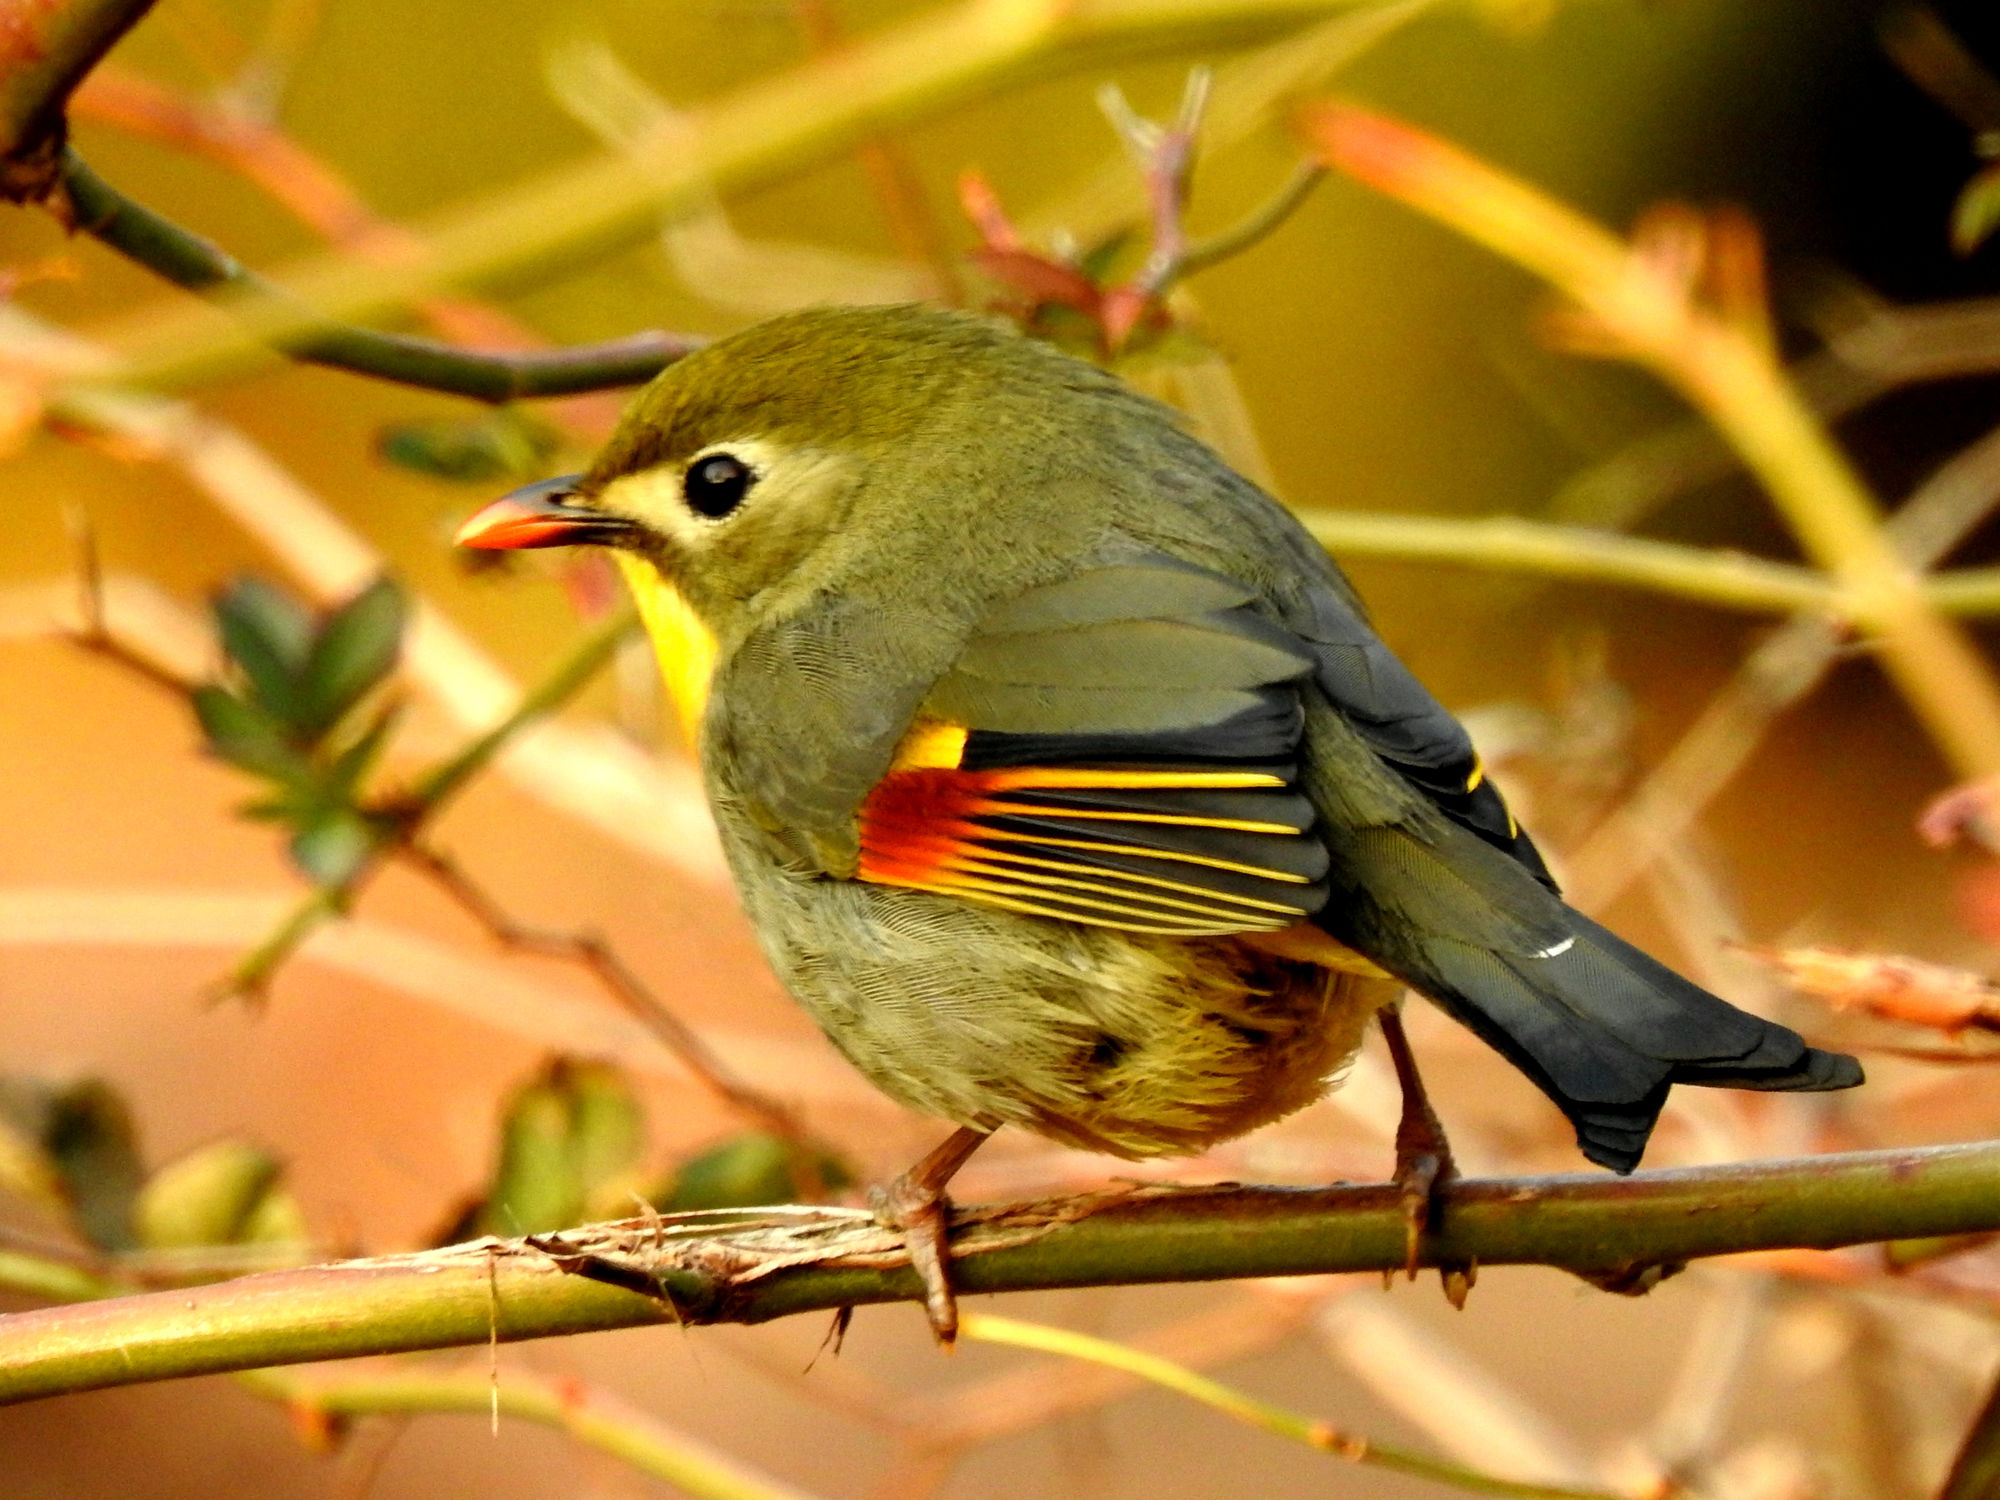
(1781, 671)
(93, 632)
(45, 51)
(299, 180)
(593, 953)
(591, 1417)
(191, 262)
(769, 129)
(1730, 580)
(584, 771)
(1639, 310)
(409, 813)
(986, 1328)
(1254, 226)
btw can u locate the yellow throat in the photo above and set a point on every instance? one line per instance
(681, 642)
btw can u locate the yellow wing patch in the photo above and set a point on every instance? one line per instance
(995, 836)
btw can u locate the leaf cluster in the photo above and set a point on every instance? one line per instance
(299, 708)
(506, 444)
(72, 1149)
(572, 1149)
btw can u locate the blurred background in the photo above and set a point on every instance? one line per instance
(389, 1084)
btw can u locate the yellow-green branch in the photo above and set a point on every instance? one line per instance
(984, 1328)
(1620, 1232)
(1640, 311)
(585, 1416)
(759, 134)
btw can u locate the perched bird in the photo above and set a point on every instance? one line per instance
(1062, 776)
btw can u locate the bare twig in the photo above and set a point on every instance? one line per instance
(189, 261)
(594, 1418)
(45, 50)
(1730, 580)
(985, 1328)
(406, 816)
(492, 990)
(1639, 308)
(593, 953)
(1254, 226)
(585, 771)
(1778, 673)
(769, 129)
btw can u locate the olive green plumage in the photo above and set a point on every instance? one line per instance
(914, 517)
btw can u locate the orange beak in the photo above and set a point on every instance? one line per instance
(540, 515)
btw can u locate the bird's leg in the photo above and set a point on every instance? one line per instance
(915, 1206)
(1423, 1155)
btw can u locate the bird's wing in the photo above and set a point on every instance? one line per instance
(1119, 748)
(1399, 720)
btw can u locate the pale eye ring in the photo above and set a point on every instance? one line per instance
(716, 484)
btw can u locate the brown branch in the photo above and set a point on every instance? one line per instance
(156, 242)
(1781, 671)
(593, 953)
(46, 47)
(590, 951)
(307, 187)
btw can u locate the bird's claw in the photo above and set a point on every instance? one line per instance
(1417, 1178)
(923, 1218)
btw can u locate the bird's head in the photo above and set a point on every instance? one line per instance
(744, 463)
(889, 448)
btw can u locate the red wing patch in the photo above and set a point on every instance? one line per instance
(1186, 851)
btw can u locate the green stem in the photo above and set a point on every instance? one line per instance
(1728, 579)
(1260, 222)
(984, 1328)
(569, 677)
(1620, 1232)
(51, 1280)
(189, 261)
(585, 1416)
(770, 129)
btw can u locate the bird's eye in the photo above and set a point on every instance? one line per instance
(717, 484)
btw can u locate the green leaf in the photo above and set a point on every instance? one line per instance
(269, 635)
(500, 445)
(1097, 261)
(355, 649)
(333, 847)
(746, 1171)
(210, 1196)
(1977, 212)
(248, 737)
(86, 1133)
(535, 1185)
(608, 1125)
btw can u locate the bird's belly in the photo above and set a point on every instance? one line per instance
(1118, 1042)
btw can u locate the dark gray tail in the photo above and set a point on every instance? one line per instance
(1605, 1031)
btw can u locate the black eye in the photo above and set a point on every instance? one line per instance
(717, 484)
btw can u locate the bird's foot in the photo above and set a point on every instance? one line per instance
(922, 1215)
(915, 1206)
(1423, 1165)
(1423, 1160)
